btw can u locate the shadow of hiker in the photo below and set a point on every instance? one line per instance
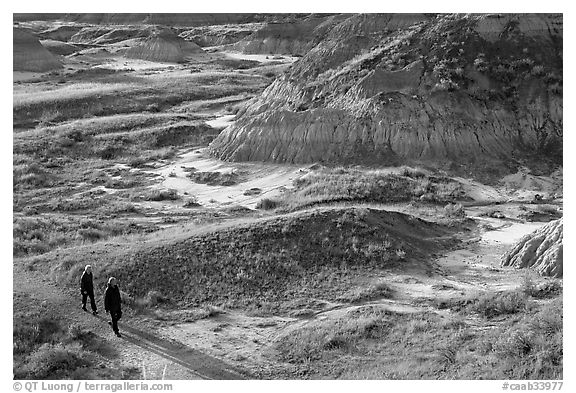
(205, 366)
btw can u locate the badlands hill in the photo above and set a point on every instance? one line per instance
(541, 251)
(290, 36)
(381, 89)
(164, 46)
(30, 55)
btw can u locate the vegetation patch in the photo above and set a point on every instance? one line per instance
(371, 292)
(40, 234)
(373, 343)
(50, 348)
(351, 185)
(215, 178)
(157, 195)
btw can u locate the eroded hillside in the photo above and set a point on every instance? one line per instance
(382, 89)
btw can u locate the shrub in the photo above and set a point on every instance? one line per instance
(161, 195)
(267, 204)
(213, 311)
(528, 287)
(376, 291)
(214, 178)
(31, 175)
(91, 234)
(154, 298)
(547, 289)
(538, 70)
(454, 210)
(252, 191)
(27, 335)
(137, 162)
(400, 254)
(507, 302)
(192, 202)
(480, 63)
(412, 173)
(556, 88)
(54, 361)
(120, 183)
(119, 207)
(109, 152)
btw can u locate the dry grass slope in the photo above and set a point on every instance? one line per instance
(308, 254)
(374, 343)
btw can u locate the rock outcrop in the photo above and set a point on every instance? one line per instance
(30, 55)
(451, 89)
(540, 250)
(164, 46)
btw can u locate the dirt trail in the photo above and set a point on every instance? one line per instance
(157, 357)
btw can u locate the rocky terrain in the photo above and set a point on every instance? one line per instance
(382, 89)
(540, 250)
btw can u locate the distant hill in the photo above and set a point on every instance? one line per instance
(168, 19)
(164, 46)
(30, 55)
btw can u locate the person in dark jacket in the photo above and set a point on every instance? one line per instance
(87, 289)
(112, 304)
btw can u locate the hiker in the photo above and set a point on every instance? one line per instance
(87, 289)
(112, 304)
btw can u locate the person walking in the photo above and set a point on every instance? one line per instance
(112, 304)
(87, 289)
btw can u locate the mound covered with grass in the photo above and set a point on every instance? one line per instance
(329, 185)
(309, 254)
